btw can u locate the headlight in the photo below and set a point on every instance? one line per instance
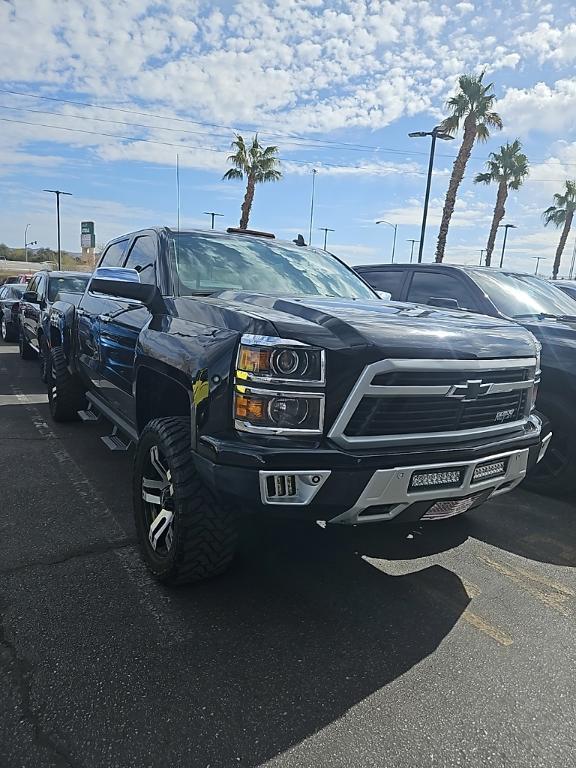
(268, 361)
(266, 411)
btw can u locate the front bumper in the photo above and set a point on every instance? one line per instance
(340, 487)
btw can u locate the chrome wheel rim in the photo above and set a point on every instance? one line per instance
(158, 497)
(4, 329)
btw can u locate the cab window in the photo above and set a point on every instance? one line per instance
(114, 254)
(142, 258)
(385, 280)
(427, 285)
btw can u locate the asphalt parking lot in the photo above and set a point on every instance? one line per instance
(319, 648)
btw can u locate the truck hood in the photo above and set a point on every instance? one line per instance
(558, 339)
(397, 330)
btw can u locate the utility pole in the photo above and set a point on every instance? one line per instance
(395, 228)
(482, 252)
(412, 248)
(314, 172)
(435, 133)
(326, 230)
(213, 214)
(538, 260)
(58, 192)
(573, 260)
(26, 243)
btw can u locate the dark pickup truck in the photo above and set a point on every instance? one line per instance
(265, 377)
(530, 301)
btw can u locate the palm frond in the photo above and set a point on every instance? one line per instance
(555, 216)
(233, 173)
(483, 178)
(482, 132)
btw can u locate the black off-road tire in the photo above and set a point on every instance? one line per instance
(26, 351)
(556, 472)
(44, 358)
(204, 528)
(66, 396)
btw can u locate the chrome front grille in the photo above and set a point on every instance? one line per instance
(435, 401)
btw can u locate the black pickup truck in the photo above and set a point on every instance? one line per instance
(530, 301)
(265, 377)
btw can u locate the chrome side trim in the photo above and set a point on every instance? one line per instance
(365, 388)
(392, 486)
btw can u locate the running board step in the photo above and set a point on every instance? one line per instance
(114, 442)
(89, 415)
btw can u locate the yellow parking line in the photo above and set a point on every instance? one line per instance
(555, 599)
(488, 629)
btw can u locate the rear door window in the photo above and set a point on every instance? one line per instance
(426, 285)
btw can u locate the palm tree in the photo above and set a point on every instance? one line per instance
(472, 106)
(507, 168)
(255, 163)
(561, 214)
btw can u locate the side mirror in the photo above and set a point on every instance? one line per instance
(124, 283)
(445, 303)
(384, 295)
(30, 296)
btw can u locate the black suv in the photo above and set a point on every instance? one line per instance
(262, 376)
(530, 301)
(43, 289)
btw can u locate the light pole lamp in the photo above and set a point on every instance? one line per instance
(412, 248)
(435, 133)
(538, 260)
(395, 228)
(58, 192)
(213, 214)
(505, 227)
(326, 230)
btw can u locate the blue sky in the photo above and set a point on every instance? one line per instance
(336, 85)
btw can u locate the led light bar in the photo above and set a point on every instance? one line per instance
(486, 471)
(442, 478)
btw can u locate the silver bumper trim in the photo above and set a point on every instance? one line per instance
(391, 487)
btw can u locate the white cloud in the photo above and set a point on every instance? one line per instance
(550, 43)
(545, 108)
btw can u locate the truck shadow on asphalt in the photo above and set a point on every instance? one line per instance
(531, 525)
(300, 631)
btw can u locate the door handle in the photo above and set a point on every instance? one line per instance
(104, 318)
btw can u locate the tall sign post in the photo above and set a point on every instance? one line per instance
(88, 241)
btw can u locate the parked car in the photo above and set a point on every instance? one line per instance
(10, 296)
(261, 376)
(528, 300)
(43, 289)
(568, 286)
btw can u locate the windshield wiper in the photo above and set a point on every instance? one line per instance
(544, 316)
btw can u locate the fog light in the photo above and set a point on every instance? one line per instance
(449, 478)
(486, 471)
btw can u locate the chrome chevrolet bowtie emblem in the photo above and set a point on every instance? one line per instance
(469, 390)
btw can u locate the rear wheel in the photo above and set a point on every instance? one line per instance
(185, 533)
(26, 351)
(66, 396)
(555, 473)
(4, 329)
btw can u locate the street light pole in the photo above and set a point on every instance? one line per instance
(213, 214)
(326, 230)
(314, 172)
(58, 192)
(506, 227)
(538, 260)
(435, 133)
(26, 243)
(482, 251)
(395, 228)
(412, 248)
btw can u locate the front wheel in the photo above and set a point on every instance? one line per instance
(66, 395)
(555, 473)
(26, 351)
(6, 332)
(185, 533)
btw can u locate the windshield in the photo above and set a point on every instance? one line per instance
(15, 291)
(523, 295)
(208, 263)
(75, 284)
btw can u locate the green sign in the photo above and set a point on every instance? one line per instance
(87, 236)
